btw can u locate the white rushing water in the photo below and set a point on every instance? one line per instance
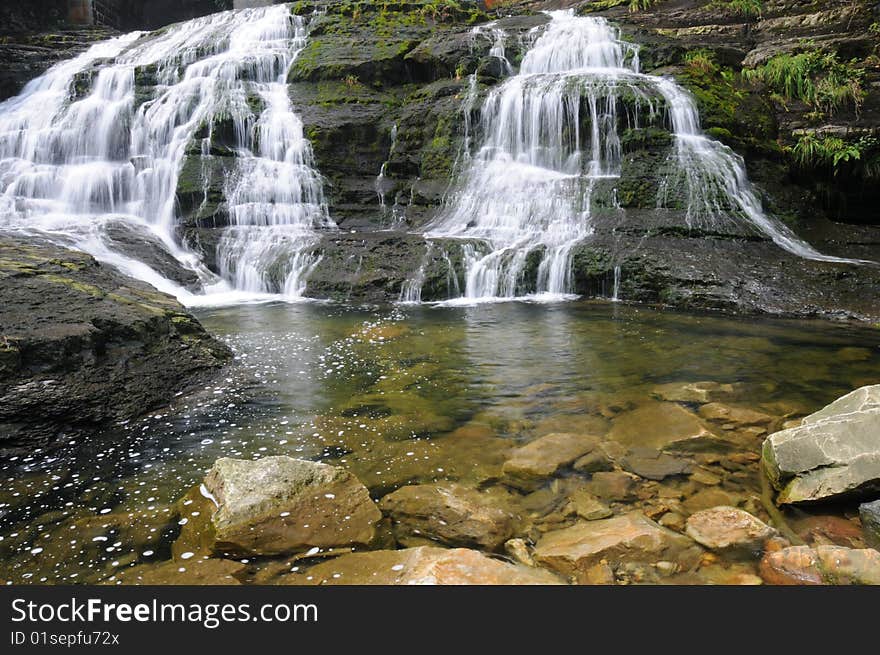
(550, 132)
(69, 164)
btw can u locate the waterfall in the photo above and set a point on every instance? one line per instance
(550, 132)
(72, 160)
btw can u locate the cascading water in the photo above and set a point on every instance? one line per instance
(71, 163)
(526, 193)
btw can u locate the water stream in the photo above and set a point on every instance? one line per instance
(550, 132)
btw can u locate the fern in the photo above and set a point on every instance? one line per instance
(818, 79)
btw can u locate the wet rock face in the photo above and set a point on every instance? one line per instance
(29, 54)
(423, 566)
(82, 346)
(834, 453)
(449, 514)
(279, 505)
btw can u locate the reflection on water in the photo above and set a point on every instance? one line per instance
(405, 395)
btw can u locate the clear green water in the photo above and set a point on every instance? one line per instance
(407, 395)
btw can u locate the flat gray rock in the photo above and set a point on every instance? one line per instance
(833, 453)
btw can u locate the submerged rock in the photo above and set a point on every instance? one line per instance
(664, 426)
(738, 416)
(833, 453)
(425, 565)
(632, 537)
(83, 346)
(729, 530)
(448, 513)
(802, 565)
(692, 392)
(279, 505)
(530, 465)
(654, 465)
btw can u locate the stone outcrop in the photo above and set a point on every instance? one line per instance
(422, 566)
(834, 453)
(278, 505)
(82, 346)
(869, 513)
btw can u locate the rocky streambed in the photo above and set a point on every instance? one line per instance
(589, 443)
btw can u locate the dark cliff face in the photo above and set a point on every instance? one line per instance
(82, 345)
(388, 87)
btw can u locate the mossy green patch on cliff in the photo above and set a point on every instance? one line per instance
(727, 110)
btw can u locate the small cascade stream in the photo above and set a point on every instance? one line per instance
(71, 163)
(549, 134)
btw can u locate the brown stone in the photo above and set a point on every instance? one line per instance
(196, 571)
(802, 565)
(738, 416)
(729, 530)
(613, 485)
(530, 465)
(425, 565)
(664, 426)
(278, 505)
(693, 392)
(448, 513)
(587, 506)
(575, 550)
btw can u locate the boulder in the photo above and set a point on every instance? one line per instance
(729, 530)
(529, 466)
(447, 513)
(279, 505)
(425, 565)
(663, 426)
(834, 453)
(83, 346)
(802, 565)
(573, 551)
(869, 513)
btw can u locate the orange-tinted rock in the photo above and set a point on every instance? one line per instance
(729, 530)
(573, 551)
(425, 565)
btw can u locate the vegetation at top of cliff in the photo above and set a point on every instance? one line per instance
(390, 12)
(818, 79)
(746, 8)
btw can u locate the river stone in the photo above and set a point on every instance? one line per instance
(869, 513)
(448, 513)
(739, 416)
(587, 506)
(834, 453)
(654, 465)
(663, 426)
(692, 392)
(631, 537)
(279, 505)
(729, 530)
(613, 485)
(425, 565)
(802, 565)
(533, 463)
